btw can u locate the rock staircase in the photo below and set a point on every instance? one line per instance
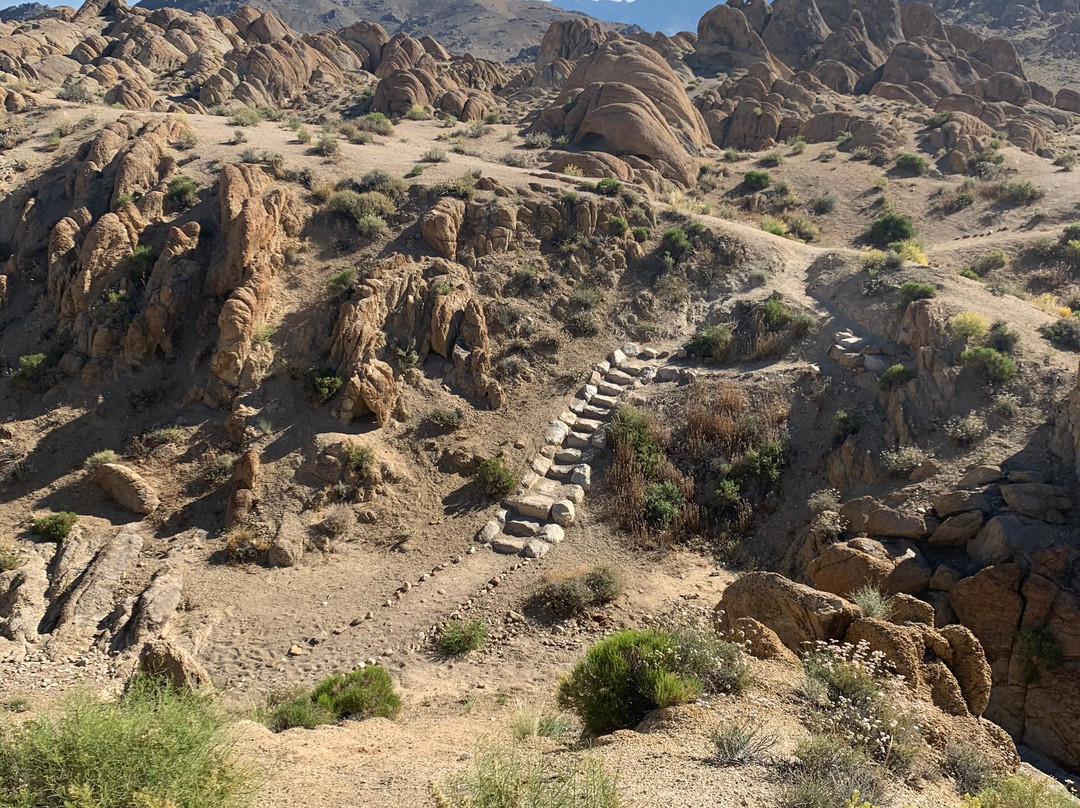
(534, 517)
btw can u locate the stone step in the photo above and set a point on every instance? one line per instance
(619, 377)
(606, 402)
(581, 476)
(560, 471)
(556, 491)
(526, 528)
(556, 432)
(508, 545)
(595, 413)
(586, 425)
(575, 440)
(534, 504)
(607, 389)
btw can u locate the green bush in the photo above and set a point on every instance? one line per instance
(31, 366)
(824, 203)
(495, 476)
(663, 501)
(1064, 332)
(609, 187)
(1066, 162)
(771, 160)
(624, 677)
(617, 225)
(756, 180)
(675, 243)
(322, 384)
(155, 746)
(384, 182)
(365, 693)
(55, 526)
(641, 234)
(573, 595)
(459, 637)
(1022, 792)
(417, 113)
(770, 224)
(1004, 339)
(910, 291)
(889, 228)
(873, 603)
(361, 458)
(99, 459)
(897, 374)
(911, 164)
(711, 342)
(244, 116)
(327, 146)
(1018, 192)
(183, 192)
(635, 429)
(524, 776)
(376, 122)
(447, 420)
(997, 367)
(828, 774)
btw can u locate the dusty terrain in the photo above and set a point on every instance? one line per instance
(298, 391)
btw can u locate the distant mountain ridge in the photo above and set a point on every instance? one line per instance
(669, 16)
(490, 29)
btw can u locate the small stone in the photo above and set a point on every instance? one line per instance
(296, 650)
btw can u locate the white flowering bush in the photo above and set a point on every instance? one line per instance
(852, 693)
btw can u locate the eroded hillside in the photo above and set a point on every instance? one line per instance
(342, 352)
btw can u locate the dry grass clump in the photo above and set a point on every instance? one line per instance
(244, 546)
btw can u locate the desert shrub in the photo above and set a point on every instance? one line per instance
(187, 139)
(327, 146)
(361, 459)
(823, 203)
(968, 326)
(1066, 162)
(997, 367)
(637, 431)
(903, 460)
(742, 740)
(663, 502)
(154, 746)
(459, 637)
(966, 430)
(464, 187)
(771, 224)
(1040, 650)
(617, 225)
(797, 144)
(909, 250)
(495, 477)
(365, 693)
(75, 93)
(911, 164)
(968, 768)
(828, 774)
(895, 375)
(675, 243)
(1064, 332)
(910, 291)
(1017, 192)
(537, 140)
(303, 136)
(55, 526)
(711, 342)
(524, 777)
(827, 499)
(183, 191)
(1002, 338)
(889, 228)
(873, 602)
(802, 228)
(756, 180)
(417, 113)
(375, 122)
(434, 155)
(529, 722)
(625, 676)
(641, 234)
(572, 595)
(9, 559)
(244, 116)
(162, 437)
(1018, 791)
(609, 187)
(342, 282)
(447, 420)
(31, 366)
(322, 384)
(359, 206)
(99, 459)
(771, 160)
(263, 334)
(416, 170)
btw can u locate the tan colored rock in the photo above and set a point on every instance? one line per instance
(867, 515)
(797, 613)
(762, 642)
(957, 530)
(440, 225)
(127, 487)
(989, 603)
(970, 667)
(165, 658)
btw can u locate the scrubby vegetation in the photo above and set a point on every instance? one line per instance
(365, 693)
(154, 746)
(55, 526)
(460, 636)
(495, 477)
(568, 595)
